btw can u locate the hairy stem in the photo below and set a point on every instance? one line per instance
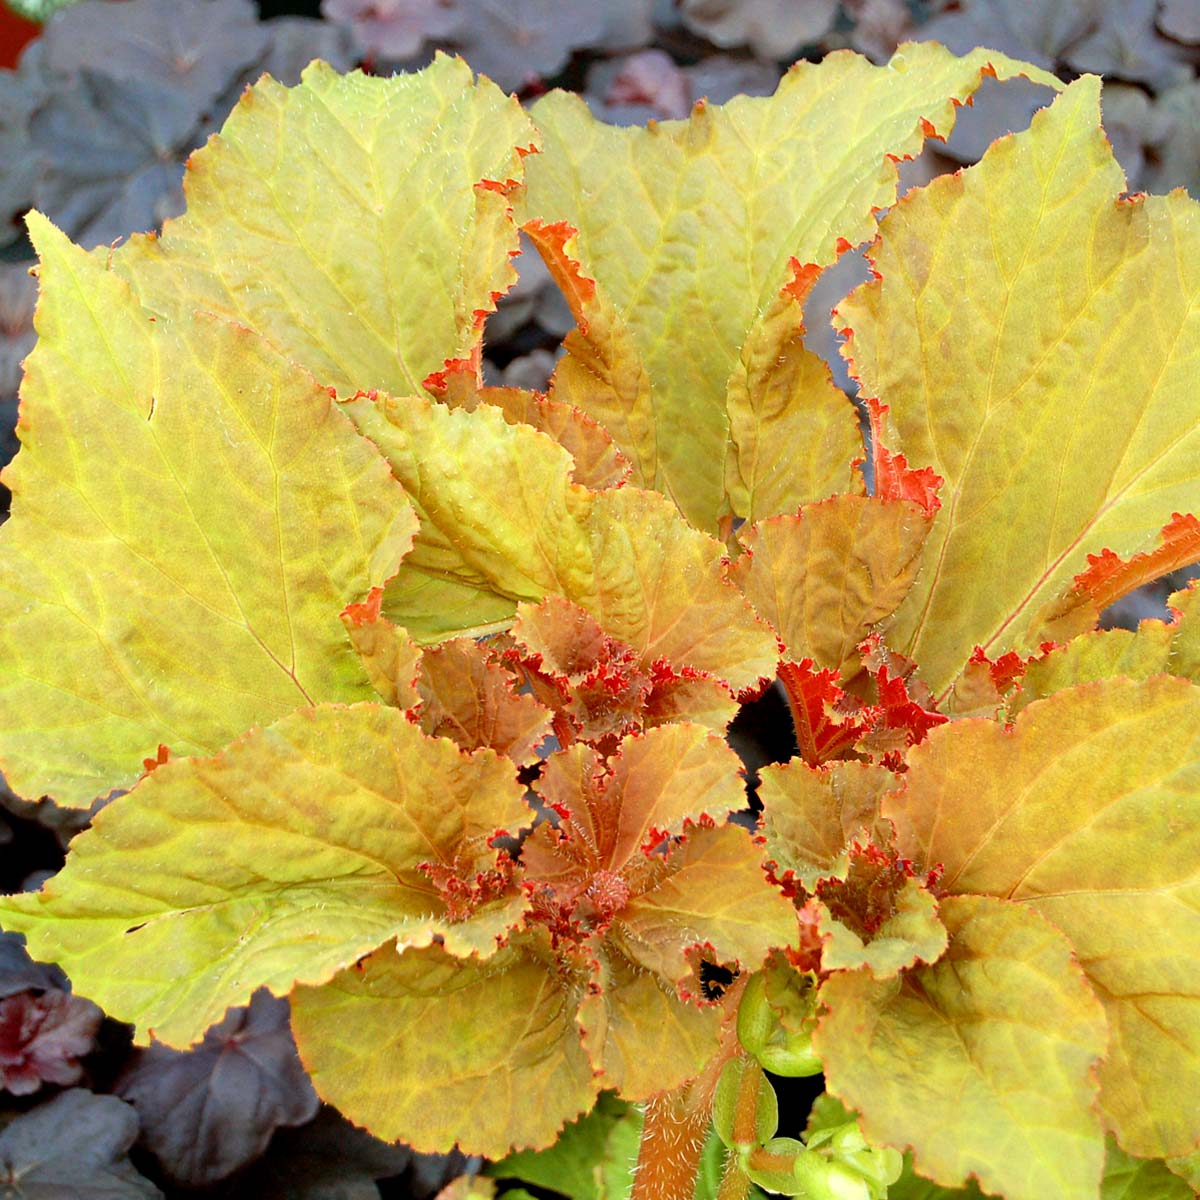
(672, 1138)
(735, 1183)
(745, 1117)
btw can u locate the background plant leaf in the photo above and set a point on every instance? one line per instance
(208, 1111)
(329, 1159)
(516, 42)
(110, 153)
(75, 1145)
(593, 1158)
(772, 28)
(193, 50)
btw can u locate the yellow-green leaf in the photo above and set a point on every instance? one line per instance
(481, 485)
(1037, 339)
(436, 1052)
(912, 934)
(812, 815)
(828, 575)
(1088, 812)
(712, 892)
(1154, 648)
(793, 437)
(637, 1030)
(983, 1062)
(282, 859)
(686, 232)
(1127, 1178)
(598, 463)
(436, 609)
(364, 241)
(1187, 1167)
(190, 515)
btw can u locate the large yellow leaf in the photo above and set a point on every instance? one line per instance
(439, 1052)
(281, 860)
(1037, 340)
(362, 239)
(683, 263)
(982, 1062)
(500, 515)
(190, 515)
(827, 576)
(1088, 811)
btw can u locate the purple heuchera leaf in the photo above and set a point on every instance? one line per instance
(515, 42)
(195, 49)
(73, 1146)
(19, 973)
(18, 296)
(210, 1110)
(295, 42)
(42, 1039)
(113, 151)
(633, 89)
(394, 29)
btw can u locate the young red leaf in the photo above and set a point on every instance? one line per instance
(829, 575)
(470, 698)
(812, 817)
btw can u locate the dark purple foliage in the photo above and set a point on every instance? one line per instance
(211, 1110)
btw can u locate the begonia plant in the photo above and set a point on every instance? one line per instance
(412, 693)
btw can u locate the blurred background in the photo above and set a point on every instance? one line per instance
(101, 101)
